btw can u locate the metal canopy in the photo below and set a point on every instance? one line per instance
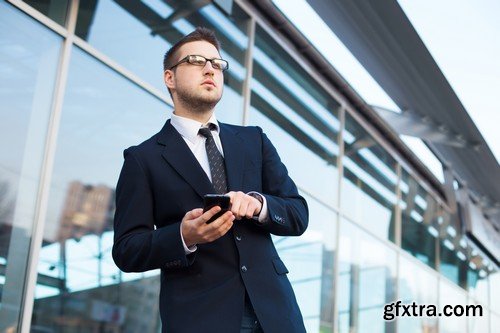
(381, 37)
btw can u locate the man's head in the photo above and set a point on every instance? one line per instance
(191, 83)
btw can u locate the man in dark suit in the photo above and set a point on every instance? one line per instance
(224, 276)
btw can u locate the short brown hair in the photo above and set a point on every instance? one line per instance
(201, 33)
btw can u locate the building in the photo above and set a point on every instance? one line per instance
(82, 80)
(87, 210)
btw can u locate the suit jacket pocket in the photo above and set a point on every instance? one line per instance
(279, 266)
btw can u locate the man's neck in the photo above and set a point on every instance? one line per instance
(200, 117)
(186, 111)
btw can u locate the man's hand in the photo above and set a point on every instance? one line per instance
(195, 229)
(244, 205)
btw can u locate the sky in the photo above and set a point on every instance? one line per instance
(460, 35)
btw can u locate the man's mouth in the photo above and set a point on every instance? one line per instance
(209, 82)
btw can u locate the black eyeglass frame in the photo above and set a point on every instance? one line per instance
(186, 59)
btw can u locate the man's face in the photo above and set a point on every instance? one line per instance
(197, 86)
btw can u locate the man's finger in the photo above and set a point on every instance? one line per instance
(205, 217)
(235, 206)
(221, 220)
(223, 224)
(193, 214)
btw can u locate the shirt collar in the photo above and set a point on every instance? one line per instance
(188, 128)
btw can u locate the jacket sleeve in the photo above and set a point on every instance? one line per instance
(138, 246)
(287, 211)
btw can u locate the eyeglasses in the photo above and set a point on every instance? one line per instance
(199, 60)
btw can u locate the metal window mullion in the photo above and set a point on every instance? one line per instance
(340, 168)
(35, 14)
(398, 220)
(46, 173)
(247, 84)
(129, 75)
(397, 237)
(438, 323)
(291, 50)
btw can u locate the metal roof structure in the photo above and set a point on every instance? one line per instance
(381, 37)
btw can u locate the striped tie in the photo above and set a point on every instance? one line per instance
(215, 161)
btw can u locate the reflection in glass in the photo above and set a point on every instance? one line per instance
(494, 283)
(28, 56)
(420, 216)
(136, 34)
(369, 183)
(299, 117)
(453, 263)
(478, 271)
(416, 284)
(494, 321)
(79, 288)
(54, 9)
(367, 274)
(479, 324)
(309, 259)
(452, 295)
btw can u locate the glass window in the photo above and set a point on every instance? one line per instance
(479, 324)
(54, 9)
(450, 294)
(369, 184)
(299, 117)
(136, 34)
(29, 57)
(309, 258)
(416, 284)
(478, 270)
(79, 288)
(494, 321)
(367, 272)
(494, 282)
(420, 216)
(453, 258)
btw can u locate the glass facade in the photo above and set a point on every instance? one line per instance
(76, 274)
(366, 281)
(369, 181)
(56, 10)
(421, 286)
(29, 54)
(419, 221)
(376, 235)
(292, 127)
(450, 294)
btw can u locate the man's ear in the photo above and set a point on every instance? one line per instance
(168, 78)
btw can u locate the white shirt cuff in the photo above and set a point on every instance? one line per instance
(263, 215)
(187, 250)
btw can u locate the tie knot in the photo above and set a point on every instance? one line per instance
(207, 131)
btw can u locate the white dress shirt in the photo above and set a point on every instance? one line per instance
(188, 129)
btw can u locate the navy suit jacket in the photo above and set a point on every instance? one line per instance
(204, 292)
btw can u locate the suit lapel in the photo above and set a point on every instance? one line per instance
(234, 156)
(180, 157)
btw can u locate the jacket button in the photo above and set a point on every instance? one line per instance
(238, 238)
(244, 268)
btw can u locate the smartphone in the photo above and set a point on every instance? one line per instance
(212, 200)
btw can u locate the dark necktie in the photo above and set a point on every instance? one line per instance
(215, 161)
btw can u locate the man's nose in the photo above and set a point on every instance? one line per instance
(208, 69)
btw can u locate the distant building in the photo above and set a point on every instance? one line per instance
(87, 209)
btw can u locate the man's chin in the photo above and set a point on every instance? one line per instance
(201, 100)
(209, 98)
